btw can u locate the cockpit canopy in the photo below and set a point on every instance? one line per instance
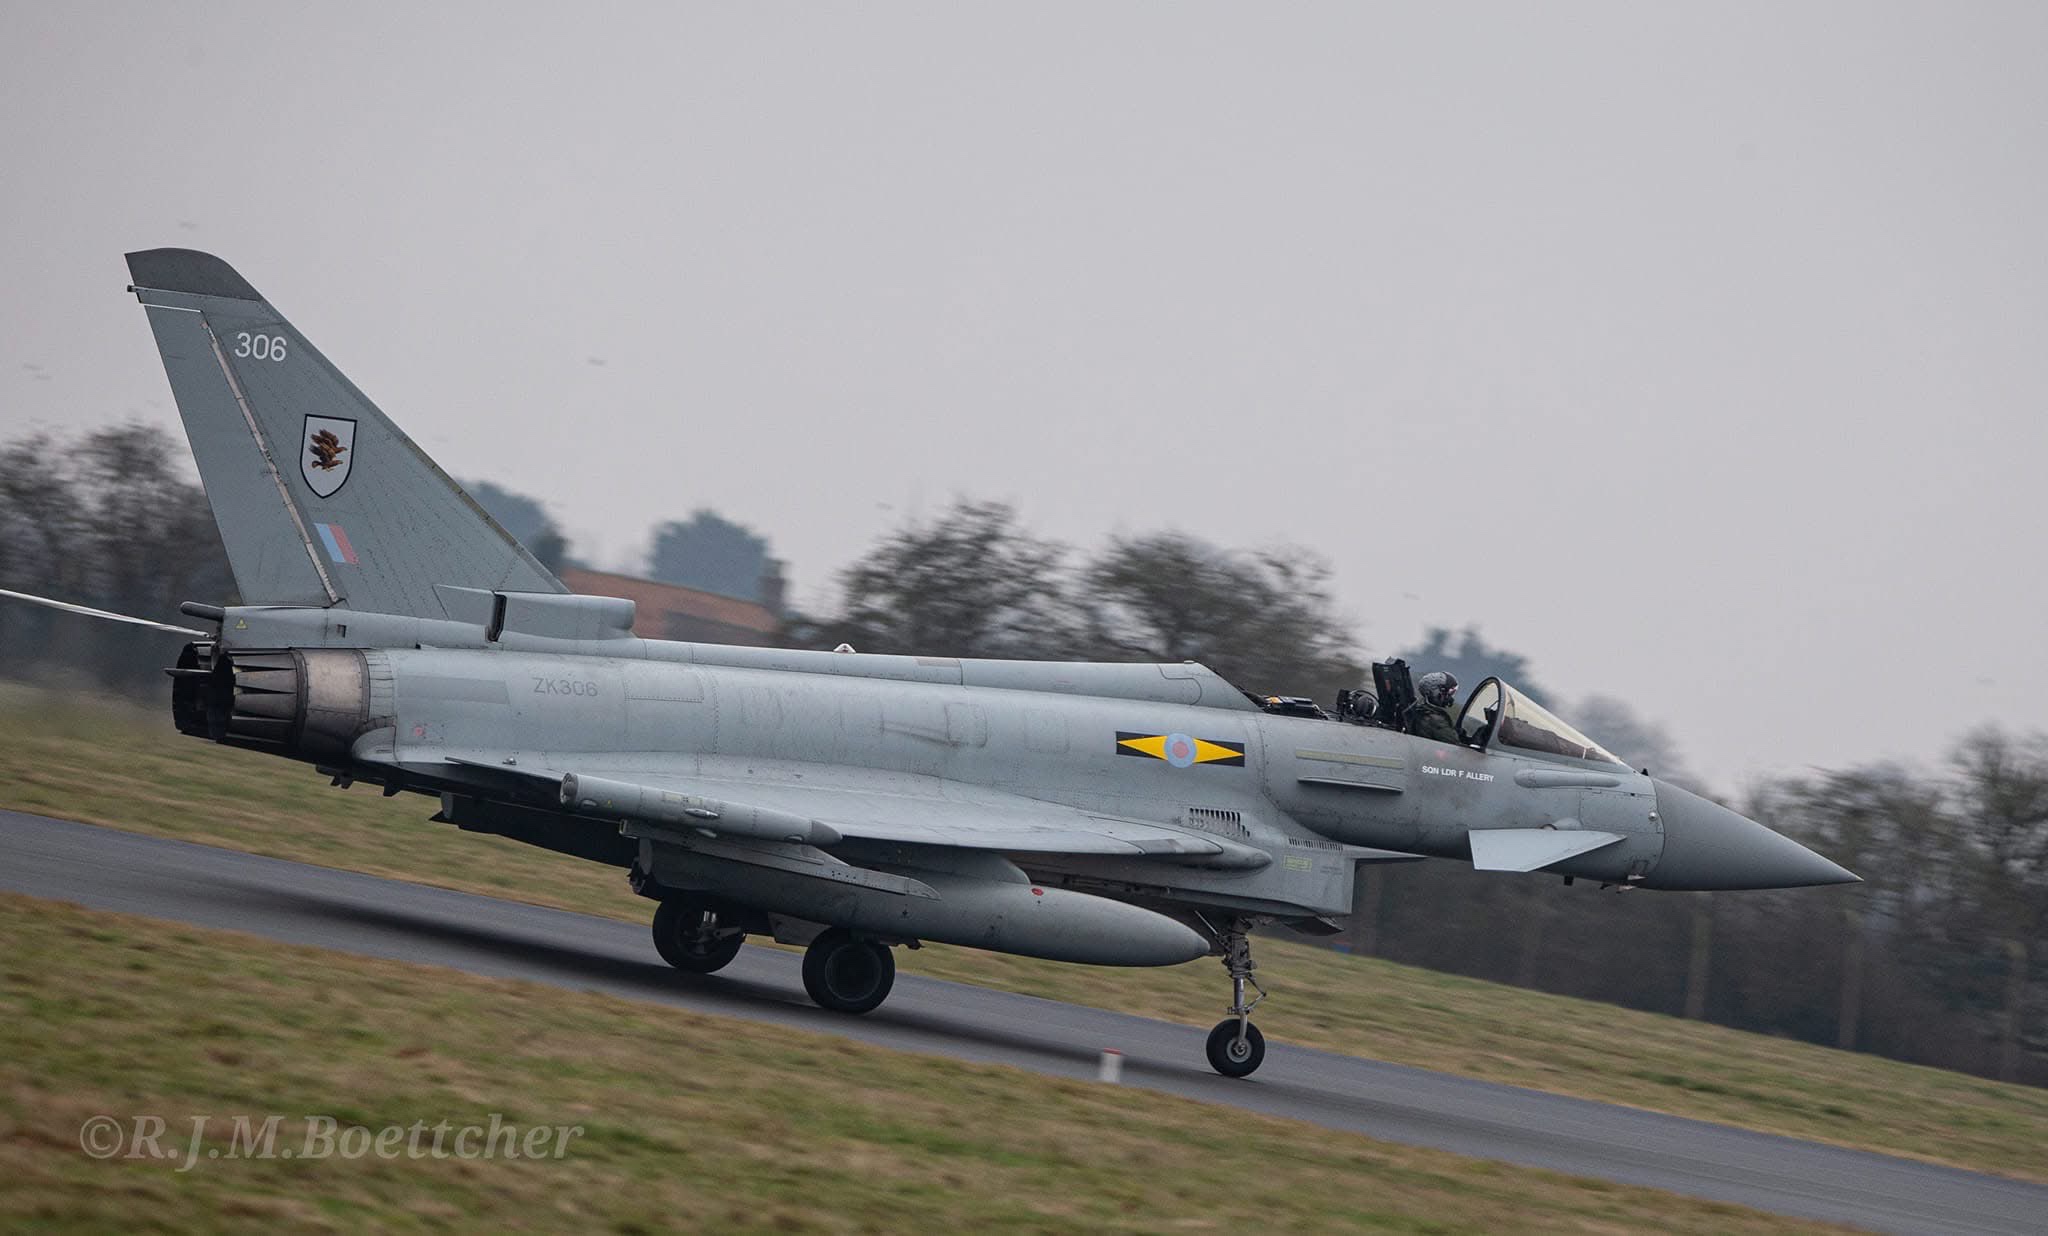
(1497, 715)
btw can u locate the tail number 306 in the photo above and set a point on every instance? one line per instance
(260, 347)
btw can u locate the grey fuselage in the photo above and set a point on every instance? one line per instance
(448, 703)
(1080, 812)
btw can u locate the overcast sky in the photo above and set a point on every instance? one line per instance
(1699, 354)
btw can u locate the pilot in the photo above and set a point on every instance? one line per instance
(1430, 715)
(1357, 706)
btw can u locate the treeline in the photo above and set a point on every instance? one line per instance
(1939, 957)
(970, 582)
(109, 520)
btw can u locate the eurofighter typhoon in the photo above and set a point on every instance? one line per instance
(1110, 814)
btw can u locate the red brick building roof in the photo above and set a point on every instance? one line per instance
(669, 611)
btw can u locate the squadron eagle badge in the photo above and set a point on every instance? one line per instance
(327, 453)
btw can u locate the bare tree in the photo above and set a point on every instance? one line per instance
(968, 583)
(1263, 620)
(110, 520)
(2001, 794)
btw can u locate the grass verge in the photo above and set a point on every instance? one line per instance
(688, 1121)
(120, 767)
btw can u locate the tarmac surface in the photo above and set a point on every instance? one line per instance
(302, 904)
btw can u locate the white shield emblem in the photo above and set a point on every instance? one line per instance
(327, 453)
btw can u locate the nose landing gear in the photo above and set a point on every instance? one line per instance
(1235, 1046)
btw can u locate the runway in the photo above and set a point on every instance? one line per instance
(302, 904)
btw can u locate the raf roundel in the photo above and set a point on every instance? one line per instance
(1180, 750)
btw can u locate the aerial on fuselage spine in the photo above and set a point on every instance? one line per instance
(1117, 814)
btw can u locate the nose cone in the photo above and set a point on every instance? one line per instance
(1707, 846)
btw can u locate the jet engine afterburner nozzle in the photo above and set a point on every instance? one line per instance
(311, 701)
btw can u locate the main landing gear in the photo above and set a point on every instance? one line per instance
(691, 936)
(846, 973)
(1236, 1047)
(697, 935)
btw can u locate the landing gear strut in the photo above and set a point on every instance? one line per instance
(1235, 1046)
(846, 973)
(690, 935)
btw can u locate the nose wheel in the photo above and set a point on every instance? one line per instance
(1236, 1047)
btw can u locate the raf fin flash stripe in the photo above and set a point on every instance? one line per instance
(336, 541)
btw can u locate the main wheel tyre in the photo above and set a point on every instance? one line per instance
(847, 974)
(689, 937)
(1232, 1057)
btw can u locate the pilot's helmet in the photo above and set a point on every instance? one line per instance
(1437, 688)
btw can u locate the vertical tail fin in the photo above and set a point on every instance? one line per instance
(320, 499)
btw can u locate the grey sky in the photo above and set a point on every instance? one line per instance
(1698, 354)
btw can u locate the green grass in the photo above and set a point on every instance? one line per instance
(689, 1122)
(116, 766)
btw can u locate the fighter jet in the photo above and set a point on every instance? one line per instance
(391, 632)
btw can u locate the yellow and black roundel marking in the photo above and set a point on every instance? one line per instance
(1180, 750)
